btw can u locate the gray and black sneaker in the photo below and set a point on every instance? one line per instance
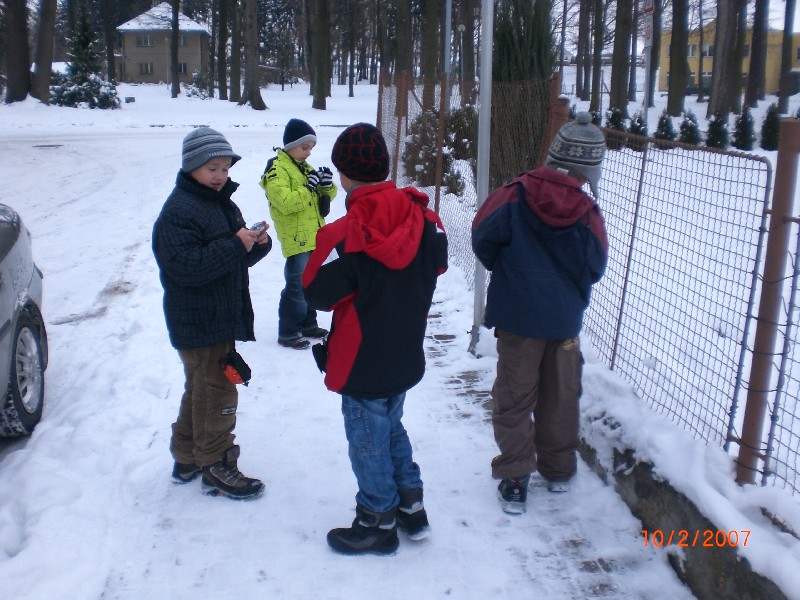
(411, 515)
(315, 332)
(297, 343)
(185, 472)
(224, 478)
(513, 494)
(371, 533)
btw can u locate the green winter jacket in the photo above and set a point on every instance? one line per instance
(293, 208)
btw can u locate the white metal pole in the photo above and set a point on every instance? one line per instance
(484, 131)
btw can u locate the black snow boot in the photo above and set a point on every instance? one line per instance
(224, 477)
(513, 494)
(371, 533)
(411, 515)
(185, 472)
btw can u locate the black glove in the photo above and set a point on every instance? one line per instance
(325, 177)
(313, 181)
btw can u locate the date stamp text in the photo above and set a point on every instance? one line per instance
(705, 538)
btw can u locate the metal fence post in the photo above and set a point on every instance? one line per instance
(770, 302)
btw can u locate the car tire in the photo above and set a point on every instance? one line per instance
(24, 400)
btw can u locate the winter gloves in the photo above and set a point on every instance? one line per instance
(313, 181)
(322, 177)
(325, 177)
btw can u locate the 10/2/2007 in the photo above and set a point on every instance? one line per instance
(706, 538)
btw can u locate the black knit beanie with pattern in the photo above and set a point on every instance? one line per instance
(360, 153)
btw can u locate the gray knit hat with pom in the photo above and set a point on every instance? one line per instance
(579, 148)
(203, 144)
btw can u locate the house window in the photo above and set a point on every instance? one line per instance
(183, 68)
(146, 68)
(183, 41)
(692, 50)
(708, 50)
(144, 40)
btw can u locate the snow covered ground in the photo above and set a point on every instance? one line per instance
(87, 507)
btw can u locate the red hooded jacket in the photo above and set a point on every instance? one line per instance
(376, 269)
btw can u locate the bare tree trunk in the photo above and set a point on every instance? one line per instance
(320, 53)
(634, 56)
(786, 57)
(468, 50)
(738, 57)
(45, 40)
(678, 65)
(430, 55)
(236, 52)
(352, 51)
(583, 51)
(655, 50)
(621, 58)
(18, 60)
(109, 34)
(222, 50)
(722, 79)
(702, 43)
(758, 55)
(252, 84)
(174, 73)
(597, 64)
(212, 55)
(403, 60)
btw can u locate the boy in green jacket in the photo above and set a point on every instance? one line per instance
(299, 199)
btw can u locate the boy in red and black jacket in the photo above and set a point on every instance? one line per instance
(376, 269)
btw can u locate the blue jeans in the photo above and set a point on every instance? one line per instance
(294, 315)
(380, 451)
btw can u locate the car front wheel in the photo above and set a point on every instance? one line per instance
(22, 408)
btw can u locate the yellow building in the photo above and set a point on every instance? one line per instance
(773, 64)
(144, 52)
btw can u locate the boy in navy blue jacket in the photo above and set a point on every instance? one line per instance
(204, 250)
(545, 243)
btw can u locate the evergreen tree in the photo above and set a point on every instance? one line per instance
(770, 129)
(689, 130)
(420, 154)
(744, 134)
(615, 121)
(83, 85)
(638, 127)
(665, 130)
(717, 135)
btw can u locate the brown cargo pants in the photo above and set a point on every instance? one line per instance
(207, 415)
(535, 415)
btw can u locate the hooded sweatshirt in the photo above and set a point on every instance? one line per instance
(544, 241)
(376, 269)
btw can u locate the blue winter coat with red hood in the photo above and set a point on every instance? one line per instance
(544, 241)
(376, 268)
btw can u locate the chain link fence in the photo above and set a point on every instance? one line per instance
(675, 314)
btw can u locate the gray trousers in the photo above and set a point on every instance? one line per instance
(207, 415)
(536, 398)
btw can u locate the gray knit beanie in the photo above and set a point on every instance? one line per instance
(203, 144)
(579, 147)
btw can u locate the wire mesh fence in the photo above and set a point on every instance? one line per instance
(675, 313)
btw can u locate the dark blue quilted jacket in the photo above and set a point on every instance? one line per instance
(203, 265)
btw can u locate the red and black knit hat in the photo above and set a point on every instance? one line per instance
(360, 153)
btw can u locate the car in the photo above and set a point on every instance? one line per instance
(23, 338)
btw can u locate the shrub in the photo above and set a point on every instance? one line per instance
(689, 131)
(665, 130)
(770, 129)
(616, 122)
(638, 127)
(717, 135)
(744, 134)
(420, 154)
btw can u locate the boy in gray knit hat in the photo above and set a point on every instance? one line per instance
(544, 240)
(204, 250)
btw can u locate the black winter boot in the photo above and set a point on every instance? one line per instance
(411, 515)
(371, 533)
(185, 472)
(224, 477)
(513, 494)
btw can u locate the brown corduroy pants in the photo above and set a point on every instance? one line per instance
(207, 415)
(536, 397)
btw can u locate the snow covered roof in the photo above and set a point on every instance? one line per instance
(159, 18)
